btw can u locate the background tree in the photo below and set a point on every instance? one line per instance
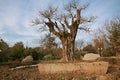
(3, 45)
(110, 35)
(17, 51)
(3, 51)
(113, 28)
(64, 25)
(49, 42)
(89, 48)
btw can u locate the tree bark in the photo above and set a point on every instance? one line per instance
(68, 48)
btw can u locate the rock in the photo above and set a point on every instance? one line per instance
(28, 59)
(87, 68)
(91, 57)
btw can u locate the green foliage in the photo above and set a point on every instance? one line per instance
(48, 57)
(108, 52)
(27, 51)
(4, 56)
(36, 55)
(52, 54)
(17, 51)
(111, 61)
(3, 51)
(3, 45)
(78, 55)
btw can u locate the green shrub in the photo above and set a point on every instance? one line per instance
(48, 57)
(77, 55)
(107, 54)
(37, 56)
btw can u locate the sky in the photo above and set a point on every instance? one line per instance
(16, 17)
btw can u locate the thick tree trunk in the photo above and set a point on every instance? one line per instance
(67, 35)
(68, 49)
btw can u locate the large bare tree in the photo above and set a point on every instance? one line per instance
(64, 25)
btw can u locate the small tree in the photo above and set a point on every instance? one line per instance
(65, 25)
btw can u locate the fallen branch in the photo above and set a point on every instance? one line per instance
(21, 67)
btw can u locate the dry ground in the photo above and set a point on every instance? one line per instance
(33, 74)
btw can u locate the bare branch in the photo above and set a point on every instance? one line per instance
(64, 29)
(43, 28)
(87, 20)
(84, 6)
(36, 21)
(85, 29)
(65, 21)
(56, 25)
(70, 13)
(74, 4)
(49, 13)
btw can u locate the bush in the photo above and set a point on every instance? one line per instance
(111, 60)
(108, 53)
(3, 57)
(48, 57)
(37, 56)
(78, 55)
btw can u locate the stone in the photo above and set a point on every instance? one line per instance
(28, 59)
(87, 68)
(91, 57)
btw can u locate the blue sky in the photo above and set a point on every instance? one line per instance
(16, 17)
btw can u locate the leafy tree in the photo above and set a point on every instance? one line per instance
(17, 51)
(64, 25)
(3, 51)
(3, 45)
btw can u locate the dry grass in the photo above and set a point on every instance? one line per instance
(21, 74)
(33, 74)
